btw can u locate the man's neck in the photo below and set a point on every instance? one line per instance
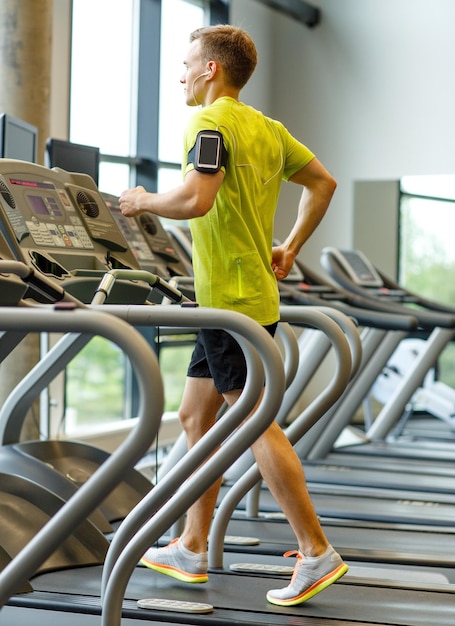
(220, 91)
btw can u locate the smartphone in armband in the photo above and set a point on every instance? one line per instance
(208, 153)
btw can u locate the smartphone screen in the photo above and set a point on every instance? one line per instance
(209, 149)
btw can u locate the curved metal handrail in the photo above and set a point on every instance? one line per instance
(101, 483)
(287, 336)
(350, 329)
(171, 293)
(315, 352)
(309, 358)
(313, 317)
(197, 482)
(187, 464)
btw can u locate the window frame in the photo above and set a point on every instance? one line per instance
(145, 164)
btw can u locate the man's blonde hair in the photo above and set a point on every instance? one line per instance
(231, 47)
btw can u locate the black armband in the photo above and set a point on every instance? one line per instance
(208, 154)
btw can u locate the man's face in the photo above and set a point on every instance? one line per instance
(193, 78)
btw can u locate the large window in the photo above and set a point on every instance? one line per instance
(174, 113)
(427, 253)
(126, 99)
(109, 108)
(103, 83)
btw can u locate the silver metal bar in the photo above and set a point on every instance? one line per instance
(101, 483)
(311, 316)
(195, 484)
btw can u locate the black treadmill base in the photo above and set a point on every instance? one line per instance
(240, 599)
(41, 612)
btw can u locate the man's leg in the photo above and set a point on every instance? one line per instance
(199, 408)
(318, 564)
(283, 474)
(282, 471)
(186, 558)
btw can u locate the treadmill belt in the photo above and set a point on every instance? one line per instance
(377, 507)
(240, 599)
(360, 543)
(379, 478)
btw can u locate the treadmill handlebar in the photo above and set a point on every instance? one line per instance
(363, 313)
(39, 283)
(155, 282)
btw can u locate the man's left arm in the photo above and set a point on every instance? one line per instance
(318, 189)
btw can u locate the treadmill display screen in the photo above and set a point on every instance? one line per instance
(38, 205)
(44, 206)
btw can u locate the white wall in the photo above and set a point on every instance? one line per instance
(369, 89)
(258, 21)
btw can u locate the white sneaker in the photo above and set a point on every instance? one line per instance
(311, 575)
(177, 561)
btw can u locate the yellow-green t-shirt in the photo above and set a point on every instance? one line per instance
(232, 243)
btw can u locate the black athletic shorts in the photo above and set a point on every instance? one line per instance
(217, 355)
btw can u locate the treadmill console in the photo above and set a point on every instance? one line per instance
(358, 267)
(148, 240)
(182, 241)
(58, 223)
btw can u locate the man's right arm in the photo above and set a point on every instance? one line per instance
(194, 198)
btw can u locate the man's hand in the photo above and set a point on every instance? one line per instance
(130, 201)
(282, 261)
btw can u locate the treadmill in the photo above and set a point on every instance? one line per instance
(429, 572)
(389, 532)
(343, 266)
(198, 317)
(374, 494)
(234, 599)
(261, 619)
(322, 439)
(61, 245)
(391, 540)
